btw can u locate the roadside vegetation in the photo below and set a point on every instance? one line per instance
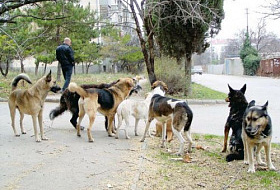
(199, 92)
(204, 168)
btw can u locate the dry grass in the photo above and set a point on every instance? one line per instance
(207, 169)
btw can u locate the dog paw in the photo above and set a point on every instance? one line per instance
(246, 162)
(251, 170)
(45, 138)
(38, 140)
(91, 140)
(261, 163)
(17, 135)
(142, 140)
(136, 134)
(127, 137)
(178, 154)
(111, 135)
(272, 168)
(23, 132)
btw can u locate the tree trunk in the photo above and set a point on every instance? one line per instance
(87, 67)
(45, 68)
(5, 73)
(36, 69)
(148, 56)
(83, 69)
(21, 65)
(188, 64)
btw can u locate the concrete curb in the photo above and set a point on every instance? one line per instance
(55, 99)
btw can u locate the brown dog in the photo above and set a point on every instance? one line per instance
(169, 132)
(104, 101)
(30, 102)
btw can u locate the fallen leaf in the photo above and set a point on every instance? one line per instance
(187, 158)
(199, 147)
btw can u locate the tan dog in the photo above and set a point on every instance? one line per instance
(104, 101)
(257, 132)
(30, 102)
(169, 132)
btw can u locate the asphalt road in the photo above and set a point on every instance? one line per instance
(66, 161)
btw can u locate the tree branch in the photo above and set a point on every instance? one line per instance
(10, 20)
(8, 5)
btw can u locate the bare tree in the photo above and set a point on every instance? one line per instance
(145, 11)
(272, 10)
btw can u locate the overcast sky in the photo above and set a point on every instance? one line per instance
(235, 17)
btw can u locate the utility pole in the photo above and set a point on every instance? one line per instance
(247, 20)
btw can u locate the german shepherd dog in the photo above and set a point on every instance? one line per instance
(69, 101)
(104, 101)
(163, 109)
(257, 132)
(31, 102)
(237, 104)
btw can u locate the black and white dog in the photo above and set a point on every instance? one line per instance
(163, 108)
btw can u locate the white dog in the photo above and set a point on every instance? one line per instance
(137, 108)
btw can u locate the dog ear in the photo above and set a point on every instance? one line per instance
(252, 103)
(49, 76)
(164, 87)
(243, 89)
(264, 107)
(154, 85)
(230, 89)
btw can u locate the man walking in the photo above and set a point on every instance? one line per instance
(65, 56)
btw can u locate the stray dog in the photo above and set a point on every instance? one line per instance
(104, 101)
(169, 133)
(163, 109)
(31, 102)
(138, 109)
(237, 104)
(257, 131)
(69, 101)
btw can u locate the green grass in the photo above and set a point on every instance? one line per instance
(275, 145)
(210, 137)
(202, 92)
(199, 91)
(268, 177)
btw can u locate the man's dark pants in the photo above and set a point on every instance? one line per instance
(67, 73)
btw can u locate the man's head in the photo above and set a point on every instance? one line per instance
(67, 41)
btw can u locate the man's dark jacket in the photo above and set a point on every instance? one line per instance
(65, 55)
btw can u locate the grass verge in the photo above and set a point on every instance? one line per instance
(207, 169)
(199, 91)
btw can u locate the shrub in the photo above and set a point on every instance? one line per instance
(168, 71)
(251, 64)
(249, 57)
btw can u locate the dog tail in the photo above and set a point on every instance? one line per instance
(60, 109)
(235, 156)
(190, 118)
(73, 87)
(21, 76)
